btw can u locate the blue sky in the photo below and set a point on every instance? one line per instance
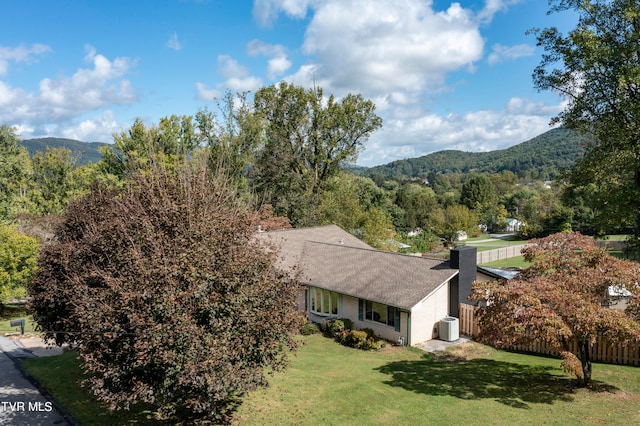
(444, 75)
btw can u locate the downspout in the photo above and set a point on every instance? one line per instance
(409, 328)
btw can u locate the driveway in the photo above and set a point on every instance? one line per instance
(21, 402)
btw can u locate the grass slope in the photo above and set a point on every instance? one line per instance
(330, 384)
(471, 384)
(60, 375)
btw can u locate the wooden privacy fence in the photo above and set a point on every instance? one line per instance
(600, 351)
(499, 253)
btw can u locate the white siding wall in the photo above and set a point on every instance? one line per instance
(426, 316)
(350, 310)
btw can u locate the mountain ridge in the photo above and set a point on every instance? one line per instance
(541, 157)
(87, 151)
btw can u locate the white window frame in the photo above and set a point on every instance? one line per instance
(317, 295)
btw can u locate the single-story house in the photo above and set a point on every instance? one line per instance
(396, 295)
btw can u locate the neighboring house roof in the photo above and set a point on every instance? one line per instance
(507, 274)
(290, 242)
(390, 278)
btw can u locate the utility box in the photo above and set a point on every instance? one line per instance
(449, 329)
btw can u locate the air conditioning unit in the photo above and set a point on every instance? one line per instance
(449, 329)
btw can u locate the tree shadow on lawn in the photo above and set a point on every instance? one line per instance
(511, 384)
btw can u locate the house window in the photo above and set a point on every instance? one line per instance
(323, 302)
(378, 312)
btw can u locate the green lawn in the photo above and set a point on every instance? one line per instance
(616, 237)
(512, 262)
(472, 384)
(61, 376)
(14, 312)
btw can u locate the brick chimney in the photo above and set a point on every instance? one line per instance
(464, 260)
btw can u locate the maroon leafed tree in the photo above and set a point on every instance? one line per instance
(167, 295)
(561, 300)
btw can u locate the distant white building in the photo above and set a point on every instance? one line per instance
(461, 236)
(513, 225)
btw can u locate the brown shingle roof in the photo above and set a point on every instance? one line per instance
(390, 278)
(290, 242)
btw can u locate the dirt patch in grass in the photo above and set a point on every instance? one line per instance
(465, 351)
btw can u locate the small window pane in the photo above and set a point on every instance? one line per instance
(369, 310)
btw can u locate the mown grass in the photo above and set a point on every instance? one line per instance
(327, 383)
(14, 312)
(512, 262)
(471, 384)
(616, 237)
(61, 376)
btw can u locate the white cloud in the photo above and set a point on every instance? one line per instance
(230, 68)
(238, 78)
(63, 99)
(400, 54)
(20, 54)
(98, 129)
(173, 42)
(485, 130)
(381, 47)
(206, 94)
(278, 63)
(501, 53)
(265, 12)
(492, 7)
(88, 89)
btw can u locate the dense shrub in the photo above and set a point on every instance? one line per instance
(355, 338)
(348, 324)
(370, 333)
(309, 328)
(337, 327)
(342, 331)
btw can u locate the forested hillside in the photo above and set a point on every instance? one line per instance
(86, 151)
(540, 158)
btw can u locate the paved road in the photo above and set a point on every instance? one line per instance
(21, 403)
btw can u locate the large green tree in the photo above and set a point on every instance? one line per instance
(561, 300)
(596, 68)
(170, 142)
(359, 206)
(308, 138)
(480, 195)
(233, 137)
(449, 221)
(52, 180)
(167, 293)
(417, 201)
(15, 170)
(18, 262)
